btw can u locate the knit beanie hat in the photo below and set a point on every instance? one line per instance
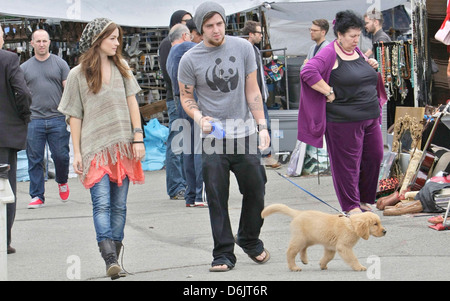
(92, 31)
(205, 8)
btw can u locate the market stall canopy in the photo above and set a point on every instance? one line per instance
(135, 13)
(289, 21)
(155, 13)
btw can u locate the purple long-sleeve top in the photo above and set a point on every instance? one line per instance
(312, 110)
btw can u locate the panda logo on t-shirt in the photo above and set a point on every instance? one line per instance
(224, 74)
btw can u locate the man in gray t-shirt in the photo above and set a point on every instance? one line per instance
(222, 71)
(46, 75)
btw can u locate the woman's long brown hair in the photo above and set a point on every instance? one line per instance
(91, 64)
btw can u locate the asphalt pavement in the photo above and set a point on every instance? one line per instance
(165, 241)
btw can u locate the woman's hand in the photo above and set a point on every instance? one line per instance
(331, 98)
(139, 147)
(138, 151)
(77, 163)
(373, 63)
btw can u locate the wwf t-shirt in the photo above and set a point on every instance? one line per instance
(218, 76)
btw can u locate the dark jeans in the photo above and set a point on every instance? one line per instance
(54, 132)
(251, 178)
(9, 156)
(192, 162)
(175, 178)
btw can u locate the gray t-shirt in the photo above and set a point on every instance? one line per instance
(218, 76)
(380, 36)
(44, 79)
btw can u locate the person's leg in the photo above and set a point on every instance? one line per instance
(119, 196)
(101, 208)
(216, 174)
(189, 171)
(101, 195)
(372, 156)
(58, 142)
(198, 178)
(344, 144)
(251, 178)
(36, 140)
(175, 181)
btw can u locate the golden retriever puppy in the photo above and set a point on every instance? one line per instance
(335, 232)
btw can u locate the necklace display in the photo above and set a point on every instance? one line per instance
(394, 63)
(343, 51)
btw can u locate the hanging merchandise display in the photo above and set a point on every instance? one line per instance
(274, 71)
(394, 64)
(63, 35)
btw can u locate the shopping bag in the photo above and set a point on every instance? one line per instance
(296, 162)
(443, 34)
(155, 145)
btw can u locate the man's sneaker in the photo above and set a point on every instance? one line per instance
(179, 195)
(64, 191)
(36, 202)
(271, 162)
(198, 204)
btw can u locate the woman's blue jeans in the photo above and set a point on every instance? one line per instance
(109, 203)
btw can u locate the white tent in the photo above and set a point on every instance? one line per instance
(134, 13)
(288, 20)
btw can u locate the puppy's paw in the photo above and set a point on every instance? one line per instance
(295, 269)
(323, 267)
(360, 268)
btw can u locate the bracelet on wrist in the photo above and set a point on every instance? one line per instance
(137, 142)
(138, 130)
(262, 127)
(329, 93)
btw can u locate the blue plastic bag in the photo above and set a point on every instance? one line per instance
(155, 139)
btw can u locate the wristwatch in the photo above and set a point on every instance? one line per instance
(262, 127)
(137, 130)
(329, 93)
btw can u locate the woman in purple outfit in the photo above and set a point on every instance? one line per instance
(339, 100)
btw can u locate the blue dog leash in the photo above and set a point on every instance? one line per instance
(311, 194)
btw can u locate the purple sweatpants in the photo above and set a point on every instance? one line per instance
(355, 150)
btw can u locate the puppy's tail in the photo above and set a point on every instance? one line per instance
(279, 208)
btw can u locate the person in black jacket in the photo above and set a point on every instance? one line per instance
(15, 100)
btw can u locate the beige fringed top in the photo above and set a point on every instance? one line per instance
(106, 131)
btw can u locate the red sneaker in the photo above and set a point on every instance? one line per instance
(64, 191)
(36, 202)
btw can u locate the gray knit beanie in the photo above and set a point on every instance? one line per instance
(92, 31)
(205, 8)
